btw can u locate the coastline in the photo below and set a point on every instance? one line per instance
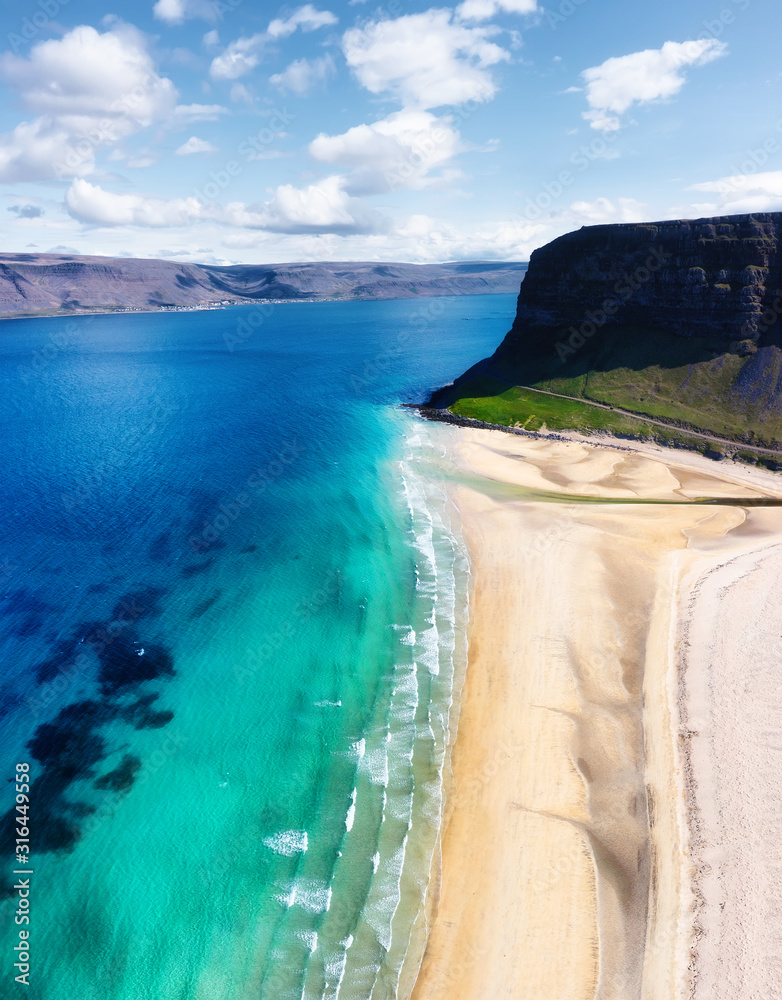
(565, 843)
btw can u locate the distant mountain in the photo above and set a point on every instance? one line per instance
(676, 322)
(46, 284)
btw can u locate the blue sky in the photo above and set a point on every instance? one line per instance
(232, 131)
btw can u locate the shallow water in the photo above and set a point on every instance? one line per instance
(233, 607)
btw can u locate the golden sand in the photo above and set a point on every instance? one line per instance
(569, 870)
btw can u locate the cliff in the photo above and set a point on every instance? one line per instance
(38, 284)
(673, 321)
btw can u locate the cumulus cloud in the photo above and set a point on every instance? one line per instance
(238, 58)
(244, 54)
(307, 18)
(408, 149)
(91, 203)
(603, 211)
(195, 145)
(304, 74)
(482, 10)
(177, 11)
(651, 75)
(90, 90)
(427, 239)
(323, 207)
(424, 60)
(86, 73)
(741, 194)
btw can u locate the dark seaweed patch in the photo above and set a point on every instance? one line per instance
(141, 715)
(70, 744)
(60, 658)
(196, 568)
(122, 777)
(160, 549)
(204, 606)
(22, 601)
(125, 663)
(31, 625)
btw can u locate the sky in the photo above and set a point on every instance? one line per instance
(231, 131)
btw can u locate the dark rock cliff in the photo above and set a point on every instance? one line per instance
(675, 321)
(719, 278)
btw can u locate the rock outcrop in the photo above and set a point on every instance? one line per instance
(675, 321)
(33, 284)
(719, 278)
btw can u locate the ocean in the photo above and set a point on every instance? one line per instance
(233, 626)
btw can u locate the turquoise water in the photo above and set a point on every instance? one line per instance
(233, 608)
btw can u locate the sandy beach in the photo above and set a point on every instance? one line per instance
(613, 826)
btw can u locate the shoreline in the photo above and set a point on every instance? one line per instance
(565, 829)
(604, 439)
(98, 311)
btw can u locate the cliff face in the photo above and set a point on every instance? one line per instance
(672, 321)
(49, 283)
(718, 278)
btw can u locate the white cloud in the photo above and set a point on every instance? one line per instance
(186, 113)
(244, 54)
(651, 75)
(424, 60)
(307, 18)
(177, 11)
(195, 145)
(92, 204)
(426, 239)
(240, 57)
(90, 90)
(603, 210)
(86, 73)
(42, 149)
(240, 93)
(304, 74)
(482, 10)
(323, 207)
(400, 151)
(141, 161)
(741, 194)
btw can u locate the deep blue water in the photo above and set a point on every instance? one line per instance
(229, 620)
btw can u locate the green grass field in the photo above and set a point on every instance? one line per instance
(488, 400)
(688, 383)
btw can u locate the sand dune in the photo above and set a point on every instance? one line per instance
(568, 866)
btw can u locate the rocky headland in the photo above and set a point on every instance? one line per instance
(675, 322)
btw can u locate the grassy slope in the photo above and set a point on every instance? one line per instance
(685, 382)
